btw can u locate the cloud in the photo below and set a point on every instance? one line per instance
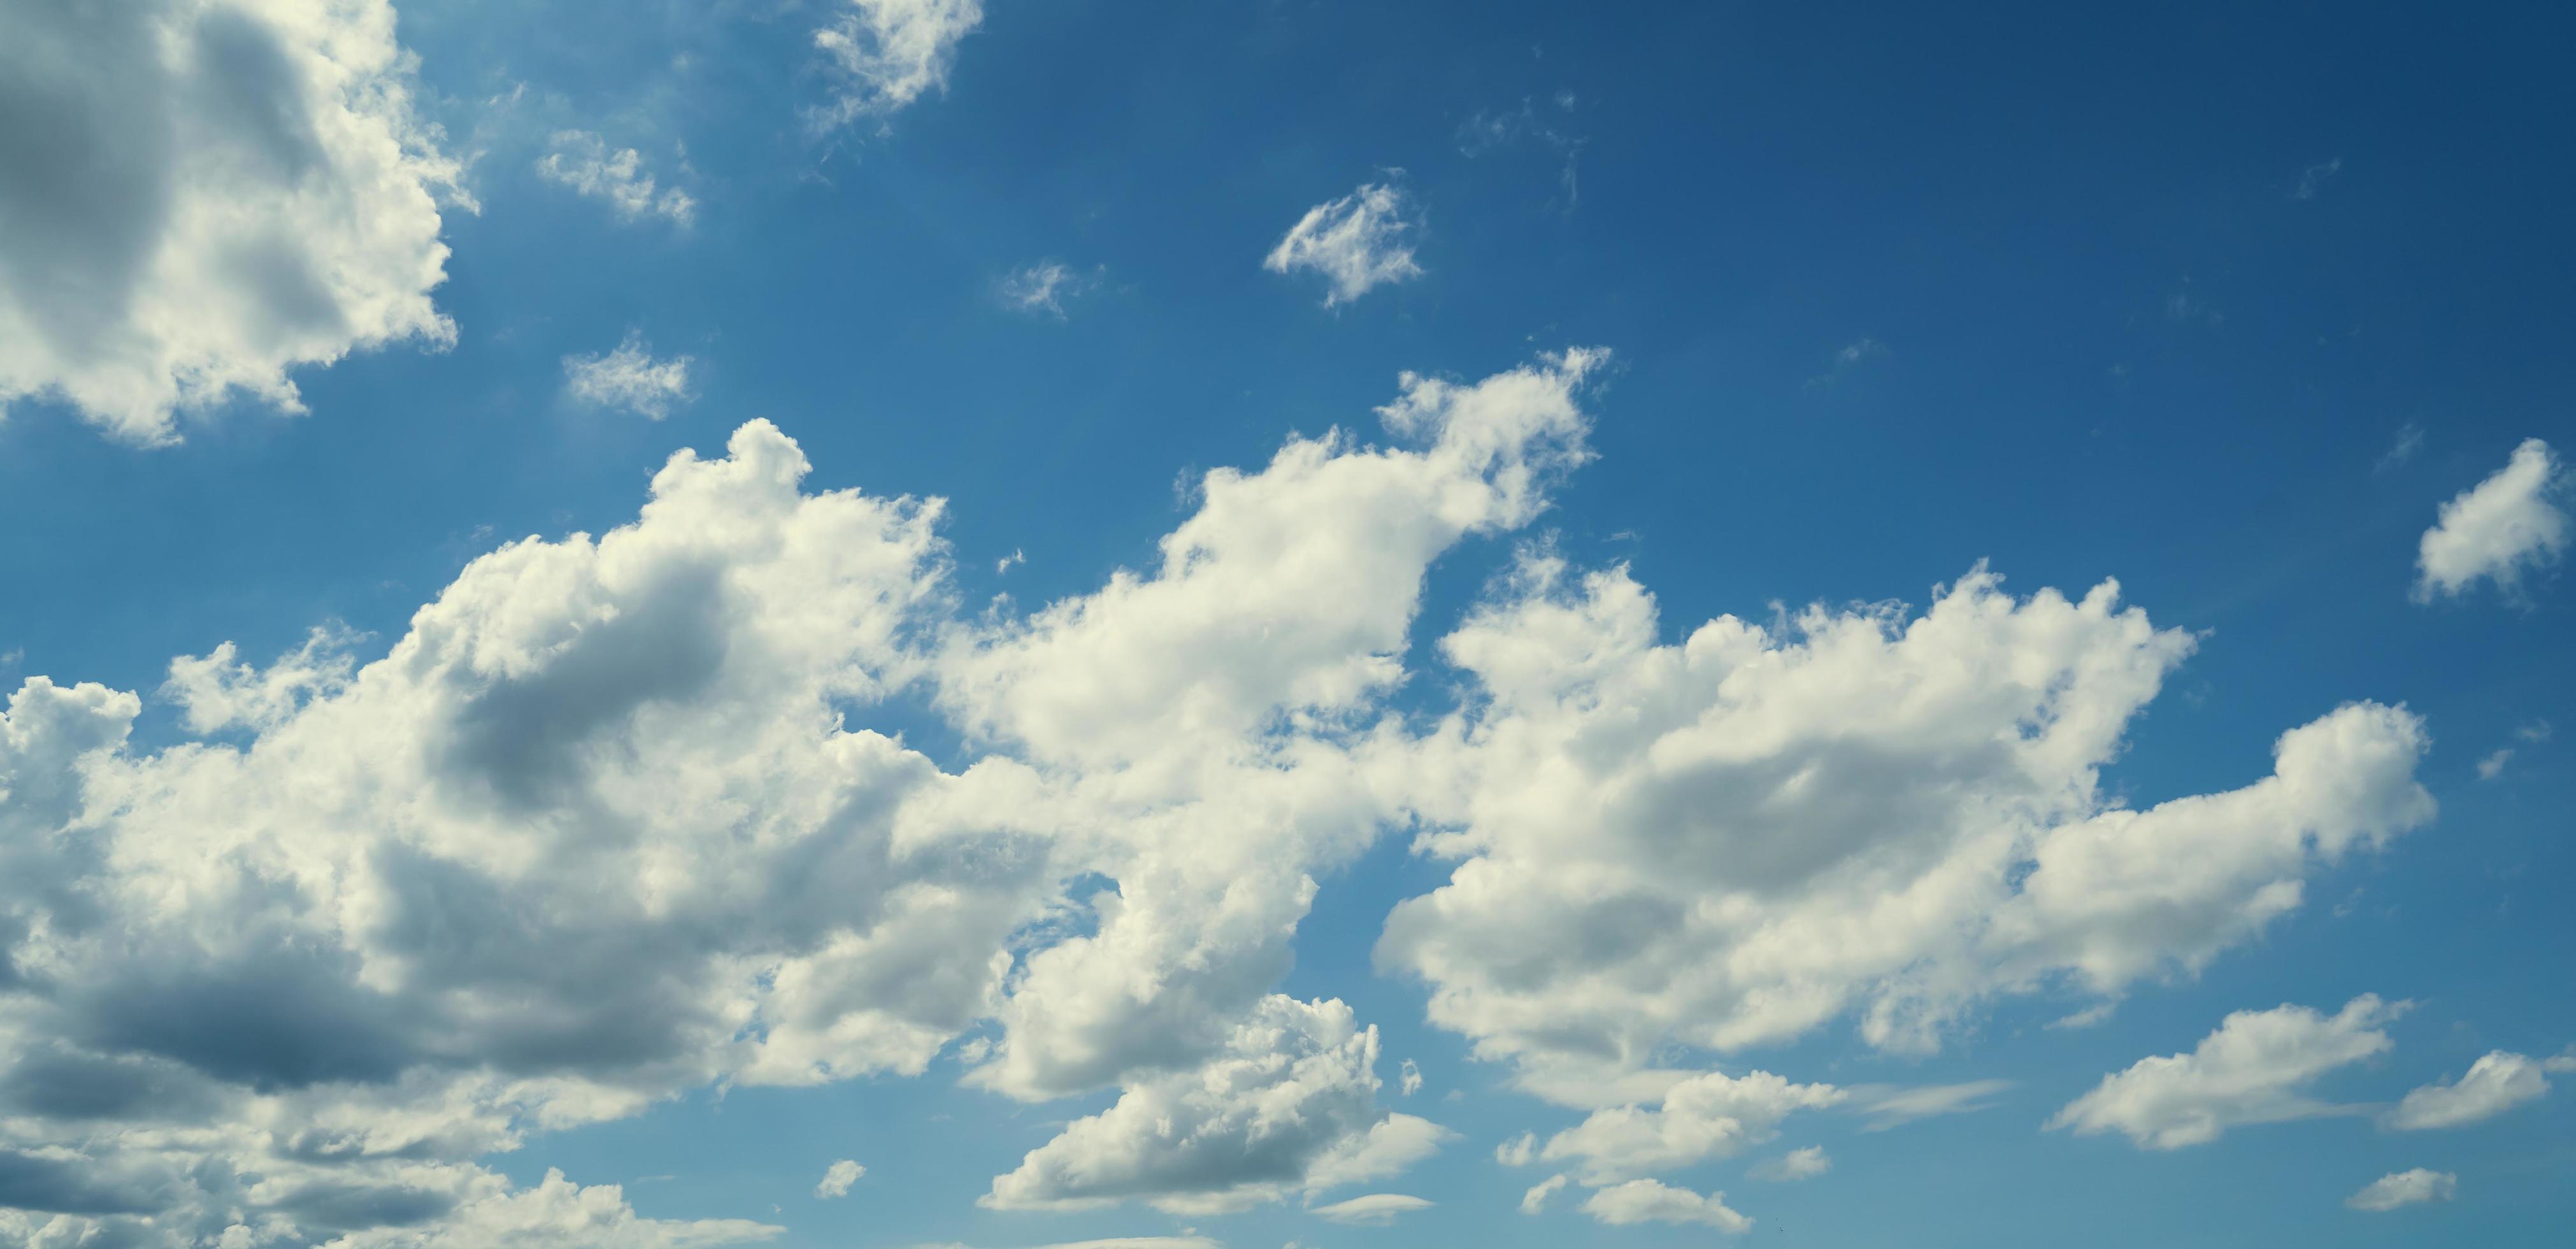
(1408, 1079)
(2409, 441)
(1043, 287)
(1797, 1164)
(887, 53)
(2493, 1085)
(2314, 178)
(1734, 840)
(1647, 1201)
(1889, 1108)
(1706, 1116)
(1535, 1200)
(837, 1179)
(629, 378)
(1375, 1208)
(1289, 1106)
(1358, 242)
(582, 161)
(1519, 1151)
(198, 198)
(1492, 130)
(2405, 1188)
(2498, 530)
(2252, 1070)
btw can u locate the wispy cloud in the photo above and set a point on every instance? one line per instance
(629, 378)
(1359, 242)
(583, 161)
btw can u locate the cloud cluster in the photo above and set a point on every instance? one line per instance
(1358, 242)
(2499, 530)
(2254, 1069)
(607, 823)
(198, 196)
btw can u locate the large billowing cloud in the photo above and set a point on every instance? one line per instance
(197, 196)
(1734, 840)
(600, 828)
(607, 823)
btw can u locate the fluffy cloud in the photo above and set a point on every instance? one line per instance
(887, 53)
(629, 378)
(582, 161)
(1358, 242)
(1708, 1116)
(837, 1179)
(1797, 1164)
(2405, 1188)
(1733, 840)
(1647, 1201)
(2498, 530)
(2493, 1085)
(197, 196)
(1289, 1106)
(2253, 1069)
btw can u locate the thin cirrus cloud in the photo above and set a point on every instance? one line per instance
(629, 379)
(584, 163)
(220, 194)
(2498, 531)
(1356, 243)
(2256, 1068)
(1043, 288)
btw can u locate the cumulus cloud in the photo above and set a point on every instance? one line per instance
(1708, 1116)
(582, 161)
(2492, 1085)
(2498, 530)
(1357, 243)
(2405, 1188)
(888, 53)
(1289, 1106)
(1376, 1209)
(837, 1179)
(1797, 1164)
(2254, 1069)
(1649, 1201)
(608, 823)
(629, 379)
(1733, 840)
(198, 197)
(1535, 1200)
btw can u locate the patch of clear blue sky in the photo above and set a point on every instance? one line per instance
(2108, 337)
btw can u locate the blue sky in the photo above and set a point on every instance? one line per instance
(1344, 419)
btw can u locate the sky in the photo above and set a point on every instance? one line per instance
(1033, 623)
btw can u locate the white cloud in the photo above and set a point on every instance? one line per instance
(1797, 1164)
(2493, 1085)
(582, 161)
(1647, 1201)
(217, 691)
(2409, 441)
(2498, 530)
(2253, 1069)
(1519, 1151)
(888, 53)
(1888, 1108)
(629, 378)
(837, 1179)
(1535, 1200)
(1043, 287)
(198, 197)
(1289, 1106)
(1731, 841)
(2314, 177)
(1408, 1079)
(1374, 1209)
(1707, 1116)
(1358, 242)
(2405, 1188)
